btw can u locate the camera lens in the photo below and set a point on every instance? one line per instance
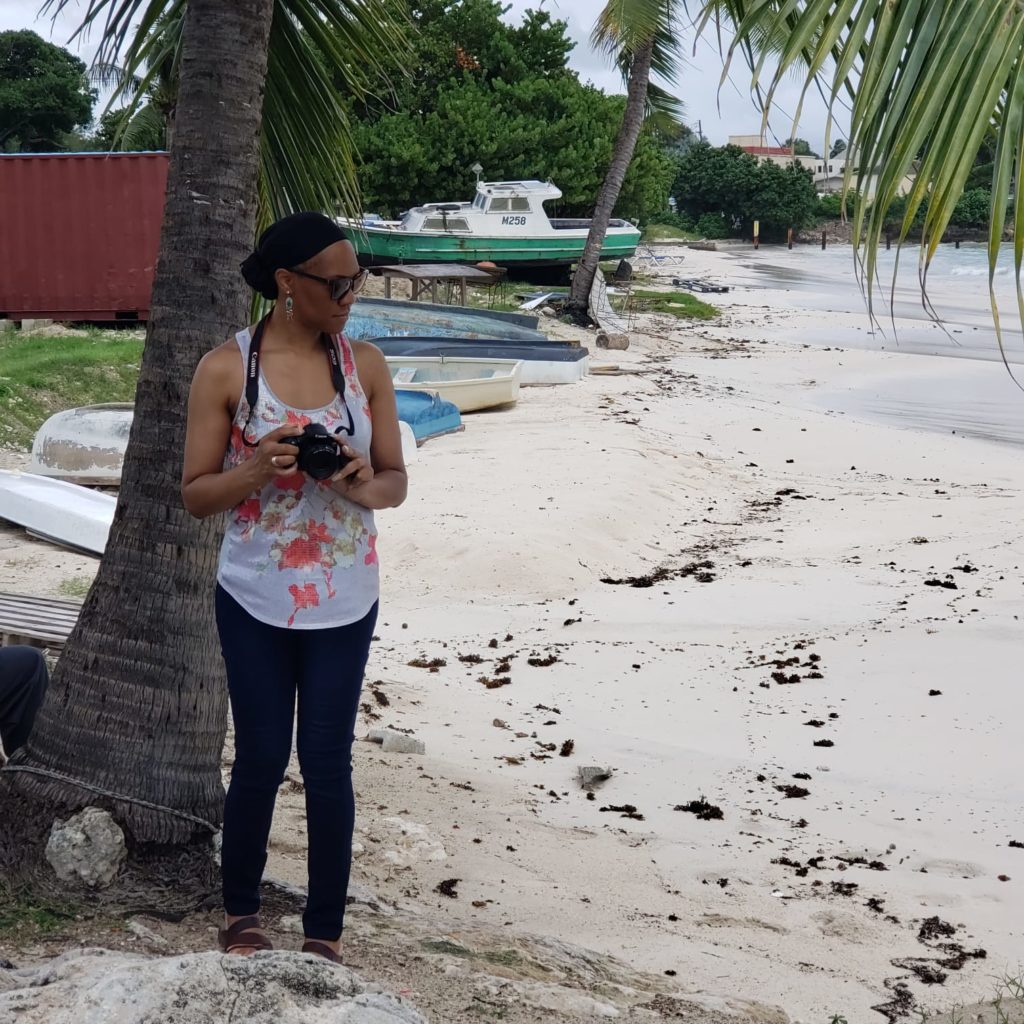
(319, 459)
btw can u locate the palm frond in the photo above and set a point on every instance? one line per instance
(929, 80)
(320, 52)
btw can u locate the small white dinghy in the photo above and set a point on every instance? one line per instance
(471, 384)
(84, 445)
(66, 514)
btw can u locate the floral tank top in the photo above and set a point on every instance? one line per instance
(297, 554)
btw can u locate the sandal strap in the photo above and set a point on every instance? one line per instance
(321, 949)
(245, 932)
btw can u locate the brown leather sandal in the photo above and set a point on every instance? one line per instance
(321, 949)
(245, 933)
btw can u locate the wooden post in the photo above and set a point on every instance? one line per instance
(789, 238)
(958, 243)
(462, 290)
(888, 240)
(757, 234)
(824, 239)
(387, 285)
(433, 290)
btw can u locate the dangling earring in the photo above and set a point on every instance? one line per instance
(289, 307)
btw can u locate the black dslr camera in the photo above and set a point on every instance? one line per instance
(319, 453)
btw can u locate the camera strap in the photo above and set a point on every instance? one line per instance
(252, 378)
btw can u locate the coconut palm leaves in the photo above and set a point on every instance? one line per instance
(927, 80)
(320, 51)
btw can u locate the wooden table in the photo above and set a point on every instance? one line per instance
(426, 276)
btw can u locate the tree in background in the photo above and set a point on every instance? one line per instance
(641, 37)
(484, 90)
(44, 94)
(800, 147)
(731, 185)
(838, 148)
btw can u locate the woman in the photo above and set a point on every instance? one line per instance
(297, 582)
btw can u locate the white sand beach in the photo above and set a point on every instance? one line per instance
(825, 536)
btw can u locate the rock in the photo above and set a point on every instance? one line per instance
(590, 776)
(28, 326)
(397, 743)
(266, 988)
(618, 342)
(6, 325)
(377, 735)
(408, 843)
(292, 924)
(88, 847)
(548, 312)
(145, 934)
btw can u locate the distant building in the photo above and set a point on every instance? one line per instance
(827, 172)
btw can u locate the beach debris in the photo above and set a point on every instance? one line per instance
(933, 928)
(701, 571)
(397, 743)
(590, 776)
(1003, 878)
(624, 811)
(493, 684)
(702, 809)
(493, 643)
(900, 1006)
(447, 888)
(793, 792)
(571, 622)
(546, 662)
(824, 743)
(1016, 845)
(567, 748)
(89, 847)
(434, 664)
(934, 693)
(471, 659)
(946, 584)
(614, 340)
(844, 888)
(817, 723)
(499, 724)
(918, 540)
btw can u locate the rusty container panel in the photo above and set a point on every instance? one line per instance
(79, 234)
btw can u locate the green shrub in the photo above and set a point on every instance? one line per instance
(712, 225)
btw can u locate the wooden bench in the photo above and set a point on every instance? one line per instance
(36, 621)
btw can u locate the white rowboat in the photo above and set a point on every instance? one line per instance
(471, 384)
(66, 514)
(84, 445)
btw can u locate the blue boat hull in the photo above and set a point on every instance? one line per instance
(427, 414)
(386, 318)
(545, 351)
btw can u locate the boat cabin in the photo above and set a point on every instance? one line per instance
(499, 208)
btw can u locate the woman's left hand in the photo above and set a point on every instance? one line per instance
(356, 472)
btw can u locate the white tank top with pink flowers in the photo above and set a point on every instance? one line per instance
(297, 554)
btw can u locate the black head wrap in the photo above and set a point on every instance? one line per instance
(287, 243)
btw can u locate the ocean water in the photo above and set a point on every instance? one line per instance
(956, 383)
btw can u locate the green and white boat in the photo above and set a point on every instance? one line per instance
(505, 224)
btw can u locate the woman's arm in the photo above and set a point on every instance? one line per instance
(206, 488)
(388, 484)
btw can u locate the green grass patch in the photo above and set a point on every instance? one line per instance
(667, 233)
(24, 916)
(75, 586)
(41, 375)
(678, 304)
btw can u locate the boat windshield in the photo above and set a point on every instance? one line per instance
(480, 201)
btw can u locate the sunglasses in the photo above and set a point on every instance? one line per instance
(339, 286)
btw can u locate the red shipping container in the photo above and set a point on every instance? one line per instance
(79, 234)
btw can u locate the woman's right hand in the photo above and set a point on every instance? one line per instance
(274, 459)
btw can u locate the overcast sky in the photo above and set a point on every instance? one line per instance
(697, 86)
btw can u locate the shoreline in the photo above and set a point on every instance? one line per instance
(714, 449)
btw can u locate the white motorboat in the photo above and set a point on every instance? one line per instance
(67, 514)
(468, 383)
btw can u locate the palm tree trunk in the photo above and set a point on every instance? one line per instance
(136, 715)
(622, 156)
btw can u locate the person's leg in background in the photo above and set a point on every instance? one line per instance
(333, 663)
(23, 682)
(262, 671)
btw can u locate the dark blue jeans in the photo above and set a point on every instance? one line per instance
(268, 668)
